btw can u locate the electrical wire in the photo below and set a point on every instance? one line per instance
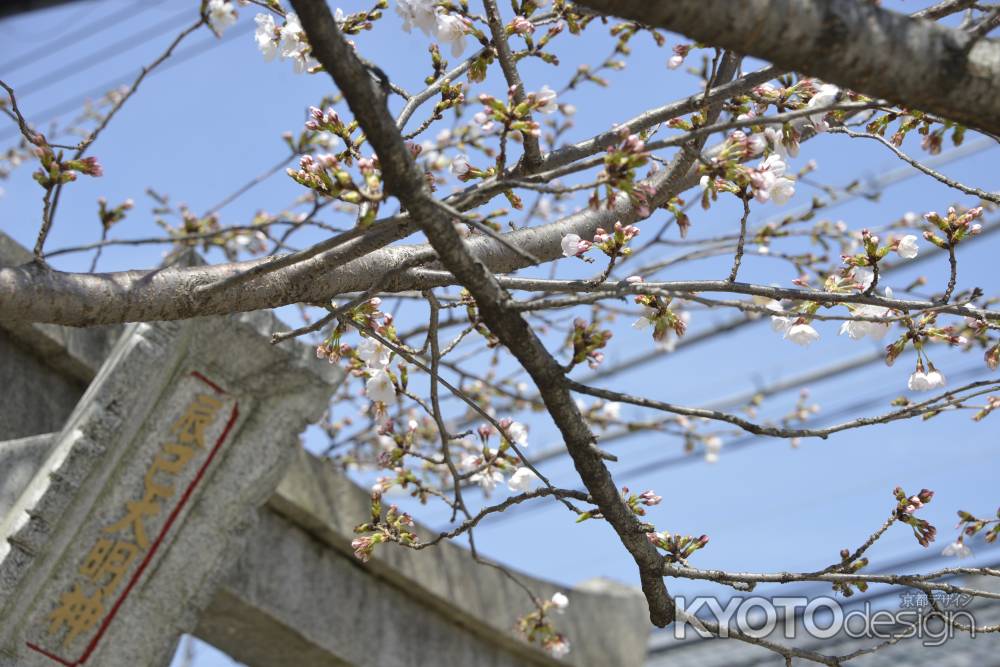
(140, 38)
(65, 41)
(60, 108)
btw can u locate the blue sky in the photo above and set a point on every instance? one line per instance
(199, 129)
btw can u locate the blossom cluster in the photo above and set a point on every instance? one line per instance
(221, 14)
(536, 626)
(55, 171)
(613, 244)
(678, 547)
(905, 508)
(289, 40)
(436, 22)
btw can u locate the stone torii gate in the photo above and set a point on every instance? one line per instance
(152, 484)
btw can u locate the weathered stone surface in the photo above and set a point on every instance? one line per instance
(19, 459)
(115, 545)
(291, 592)
(44, 368)
(37, 398)
(298, 593)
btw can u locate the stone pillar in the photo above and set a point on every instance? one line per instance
(145, 497)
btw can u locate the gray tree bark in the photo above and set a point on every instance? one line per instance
(910, 61)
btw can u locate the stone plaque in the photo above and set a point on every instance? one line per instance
(117, 543)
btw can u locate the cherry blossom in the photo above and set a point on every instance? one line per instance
(452, 29)
(779, 323)
(824, 97)
(573, 245)
(802, 334)
(419, 13)
(221, 14)
(379, 387)
(517, 432)
(373, 353)
(558, 647)
(857, 330)
(907, 247)
(646, 320)
(522, 26)
(611, 410)
(769, 182)
(864, 277)
(713, 445)
(460, 165)
(396, 430)
(292, 37)
(757, 143)
(487, 479)
(778, 144)
(545, 99)
(680, 53)
(958, 549)
(523, 479)
(921, 381)
(289, 41)
(649, 498)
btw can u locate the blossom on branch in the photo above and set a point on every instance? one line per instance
(523, 479)
(573, 246)
(221, 14)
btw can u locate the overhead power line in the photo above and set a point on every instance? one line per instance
(629, 475)
(74, 38)
(127, 43)
(56, 110)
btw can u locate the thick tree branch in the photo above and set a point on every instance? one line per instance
(405, 181)
(859, 45)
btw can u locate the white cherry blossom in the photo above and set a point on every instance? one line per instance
(518, 433)
(547, 98)
(864, 277)
(221, 14)
(824, 97)
(908, 248)
(611, 410)
(558, 647)
(782, 191)
(769, 182)
(523, 479)
(857, 330)
(451, 29)
(560, 602)
(292, 36)
(460, 165)
(379, 387)
(921, 381)
(373, 353)
(266, 36)
(572, 245)
(779, 323)
(958, 549)
(775, 140)
(487, 480)
(713, 445)
(419, 13)
(646, 320)
(802, 334)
